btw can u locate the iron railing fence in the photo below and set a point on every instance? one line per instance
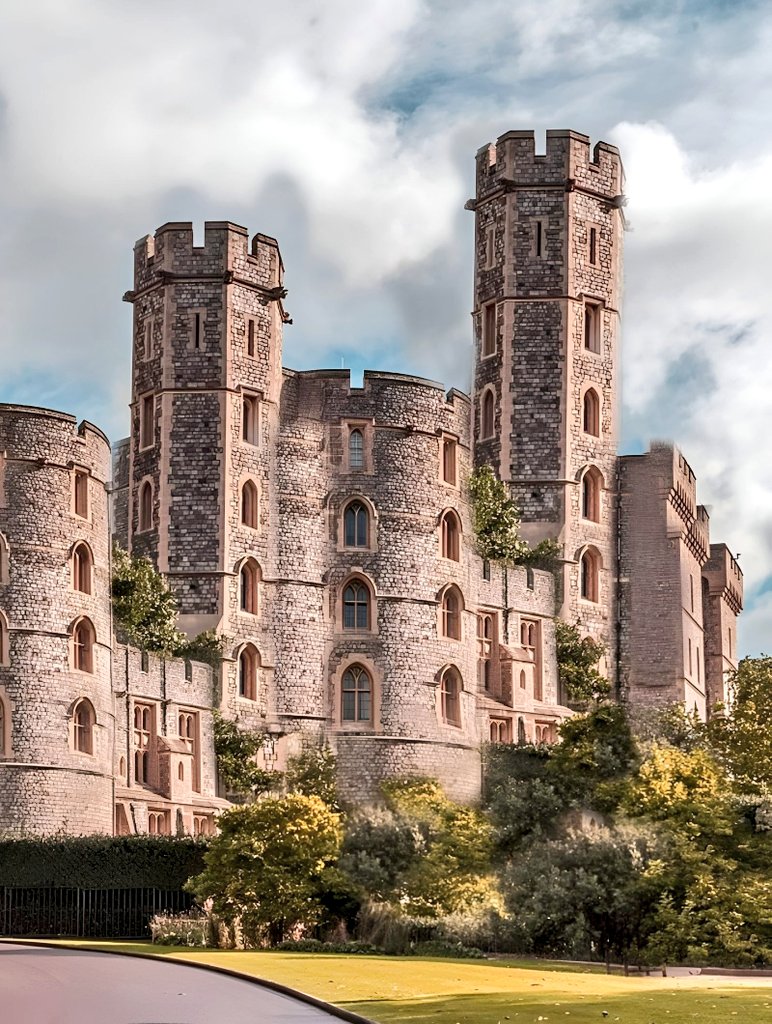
(45, 912)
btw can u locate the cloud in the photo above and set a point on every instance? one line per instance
(348, 130)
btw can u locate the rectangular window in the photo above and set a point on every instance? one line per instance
(449, 461)
(591, 327)
(148, 339)
(146, 421)
(691, 591)
(690, 657)
(187, 722)
(81, 493)
(593, 246)
(198, 330)
(539, 238)
(486, 569)
(251, 338)
(698, 664)
(489, 330)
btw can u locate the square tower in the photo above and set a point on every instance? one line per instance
(548, 257)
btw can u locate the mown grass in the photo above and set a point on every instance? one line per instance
(415, 990)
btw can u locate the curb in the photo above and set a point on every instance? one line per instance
(273, 986)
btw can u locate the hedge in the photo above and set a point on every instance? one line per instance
(101, 862)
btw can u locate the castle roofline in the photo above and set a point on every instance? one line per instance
(53, 414)
(381, 375)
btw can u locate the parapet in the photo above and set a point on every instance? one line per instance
(724, 576)
(226, 253)
(34, 432)
(567, 161)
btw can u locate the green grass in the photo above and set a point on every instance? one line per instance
(415, 989)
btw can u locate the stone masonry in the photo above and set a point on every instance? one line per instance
(325, 531)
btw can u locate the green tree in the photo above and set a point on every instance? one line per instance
(742, 737)
(314, 773)
(496, 521)
(525, 800)
(578, 658)
(585, 893)
(143, 604)
(236, 750)
(266, 867)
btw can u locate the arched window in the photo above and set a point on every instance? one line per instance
(487, 414)
(82, 564)
(249, 504)
(145, 506)
(356, 695)
(249, 661)
(83, 639)
(591, 412)
(520, 732)
(83, 721)
(528, 636)
(452, 606)
(181, 772)
(356, 450)
(589, 571)
(451, 536)
(485, 648)
(144, 732)
(522, 678)
(249, 578)
(356, 605)
(592, 485)
(250, 410)
(450, 696)
(356, 525)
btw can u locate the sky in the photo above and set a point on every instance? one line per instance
(348, 130)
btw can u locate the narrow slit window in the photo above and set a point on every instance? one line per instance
(593, 246)
(146, 421)
(449, 461)
(490, 237)
(197, 332)
(487, 417)
(249, 505)
(148, 339)
(251, 338)
(145, 506)
(489, 330)
(356, 450)
(591, 413)
(539, 238)
(81, 494)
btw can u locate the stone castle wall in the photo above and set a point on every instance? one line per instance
(45, 783)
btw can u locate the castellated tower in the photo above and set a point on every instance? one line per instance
(56, 704)
(205, 384)
(548, 257)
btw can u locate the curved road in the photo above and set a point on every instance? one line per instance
(65, 986)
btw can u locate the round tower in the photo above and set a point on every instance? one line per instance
(56, 709)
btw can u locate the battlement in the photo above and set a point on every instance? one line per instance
(568, 161)
(170, 254)
(49, 434)
(724, 576)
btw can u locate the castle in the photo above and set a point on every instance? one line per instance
(326, 532)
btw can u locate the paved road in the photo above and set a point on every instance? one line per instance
(64, 986)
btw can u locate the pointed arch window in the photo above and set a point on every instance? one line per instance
(591, 412)
(249, 504)
(589, 572)
(83, 640)
(451, 536)
(82, 564)
(249, 579)
(521, 733)
(146, 506)
(357, 600)
(452, 606)
(83, 722)
(356, 525)
(249, 662)
(250, 419)
(356, 695)
(356, 450)
(592, 487)
(450, 696)
(487, 414)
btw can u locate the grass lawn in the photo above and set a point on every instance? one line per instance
(414, 989)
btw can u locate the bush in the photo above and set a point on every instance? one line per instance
(101, 862)
(181, 930)
(438, 947)
(317, 946)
